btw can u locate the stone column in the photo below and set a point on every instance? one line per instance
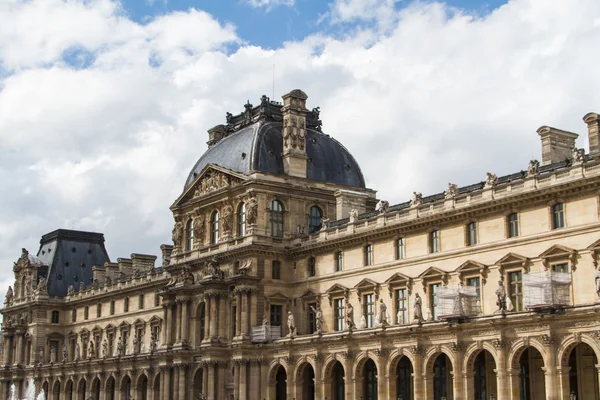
(318, 359)
(513, 379)
(551, 378)
(418, 378)
(165, 378)
(236, 379)
(221, 380)
(19, 349)
(178, 321)
(238, 315)
(213, 317)
(176, 388)
(244, 309)
(207, 317)
(223, 317)
(8, 341)
(563, 381)
(457, 375)
(212, 376)
(4, 387)
(502, 379)
(185, 324)
(164, 333)
(183, 371)
(469, 384)
(169, 327)
(255, 390)
(243, 380)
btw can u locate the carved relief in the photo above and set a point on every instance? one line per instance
(294, 131)
(213, 181)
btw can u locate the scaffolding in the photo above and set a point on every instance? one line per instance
(546, 289)
(458, 302)
(265, 333)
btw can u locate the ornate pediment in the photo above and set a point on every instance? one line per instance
(399, 280)
(557, 253)
(513, 260)
(594, 249)
(473, 268)
(433, 274)
(365, 286)
(213, 178)
(337, 290)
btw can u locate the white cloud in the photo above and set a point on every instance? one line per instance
(441, 96)
(363, 10)
(269, 4)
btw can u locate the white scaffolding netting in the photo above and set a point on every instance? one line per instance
(458, 301)
(544, 289)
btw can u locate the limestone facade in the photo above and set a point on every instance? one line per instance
(278, 286)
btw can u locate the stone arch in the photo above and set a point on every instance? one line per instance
(301, 364)
(156, 385)
(473, 351)
(81, 387)
(328, 365)
(569, 343)
(55, 390)
(69, 389)
(141, 387)
(361, 359)
(395, 356)
(304, 379)
(274, 389)
(519, 346)
(126, 387)
(110, 388)
(433, 353)
(274, 367)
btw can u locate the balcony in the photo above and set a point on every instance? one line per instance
(546, 290)
(457, 302)
(265, 333)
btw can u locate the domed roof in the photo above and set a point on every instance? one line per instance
(257, 145)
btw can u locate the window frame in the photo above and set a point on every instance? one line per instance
(471, 233)
(339, 314)
(513, 226)
(435, 241)
(339, 261)
(214, 227)
(241, 219)
(518, 306)
(400, 244)
(141, 301)
(276, 218)
(433, 304)
(312, 266)
(99, 310)
(276, 267)
(368, 254)
(189, 235)
(404, 301)
(558, 217)
(86, 313)
(55, 317)
(314, 220)
(368, 308)
(126, 305)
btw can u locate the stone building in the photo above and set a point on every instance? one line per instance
(289, 279)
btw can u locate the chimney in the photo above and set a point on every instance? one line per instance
(592, 120)
(557, 144)
(215, 134)
(294, 133)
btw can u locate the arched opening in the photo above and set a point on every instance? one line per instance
(198, 382)
(276, 211)
(142, 388)
(315, 216)
(69, 390)
(404, 379)
(189, 235)
(484, 377)
(370, 380)
(126, 388)
(56, 390)
(583, 376)
(532, 383)
(156, 387)
(81, 389)
(214, 228)
(109, 392)
(306, 383)
(338, 382)
(96, 389)
(241, 220)
(281, 384)
(442, 378)
(45, 389)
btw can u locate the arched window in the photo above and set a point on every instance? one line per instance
(214, 228)
(189, 235)
(314, 219)
(276, 219)
(241, 220)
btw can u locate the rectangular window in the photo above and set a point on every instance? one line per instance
(339, 261)
(400, 249)
(276, 270)
(558, 216)
(312, 266)
(476, 283)
(126, 305)
(515, 289)
(560, 268)
(513, 225)
(434, 241)
(74, 315)
(156, 300)
(276, 312)
(55, 317)
(433, 300)
(86, 313)
(112, 307)
(111, 338)
(369, 254)
(141, 302)
(401, 306)
(99, 310)
(312, 322)
(472, 234)
(233, 320)
(340, 311)
(369, 309)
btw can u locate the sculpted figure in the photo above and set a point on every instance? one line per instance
(534, 168)
(77, 352)
(363, 322)
(153, 342)
(177, 233)
(491, 179)
(417, 309)
(350, 317)
(400, 317)
(119, 352)
(452, 191)
(383, 206)
(291, 324)
(91, 350)
(501, 296)
(324, 223)
(353, 215)
(135, 344)
(104, 348)
(9, 297)
(199, 226)
(383, 320)
(597, 278)
(318, 318)
(251, 210)
(417, 199)
(265, 320)
(52, 354)
(41, 355)
(71, 290)
(64, 353)
(81, 287)
(227, 217)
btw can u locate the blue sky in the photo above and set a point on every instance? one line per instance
(269, 27)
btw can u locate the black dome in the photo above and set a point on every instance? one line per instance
(258, 147)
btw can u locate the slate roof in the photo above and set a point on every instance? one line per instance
(70, 256)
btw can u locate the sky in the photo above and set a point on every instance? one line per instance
(104, 105)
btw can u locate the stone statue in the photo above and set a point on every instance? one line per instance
(153, 342)
(400, 317)
(77, 352)
(41, 286)
(9, 297)
(291, 324)
(383, 319)
(52, 354)
(383, 206)
(533, 168)
(119, 351)
(104, 348)
(108, 281)
(91, 350)
(199, 226)
(597, 279)
(452, 191)
(251, 210)
(501, 297)
(417, 199)
(265, 320)
(363, 322)
(417, 309)
(41, 355)
(353, 215)
(324, 223)
(318, 318)
(491, 180)
(227, 218)
(71, 290)
(81, 287)
(177, 233)
(245, 268)
(135, 341)
(350, 317)
(64, 353)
